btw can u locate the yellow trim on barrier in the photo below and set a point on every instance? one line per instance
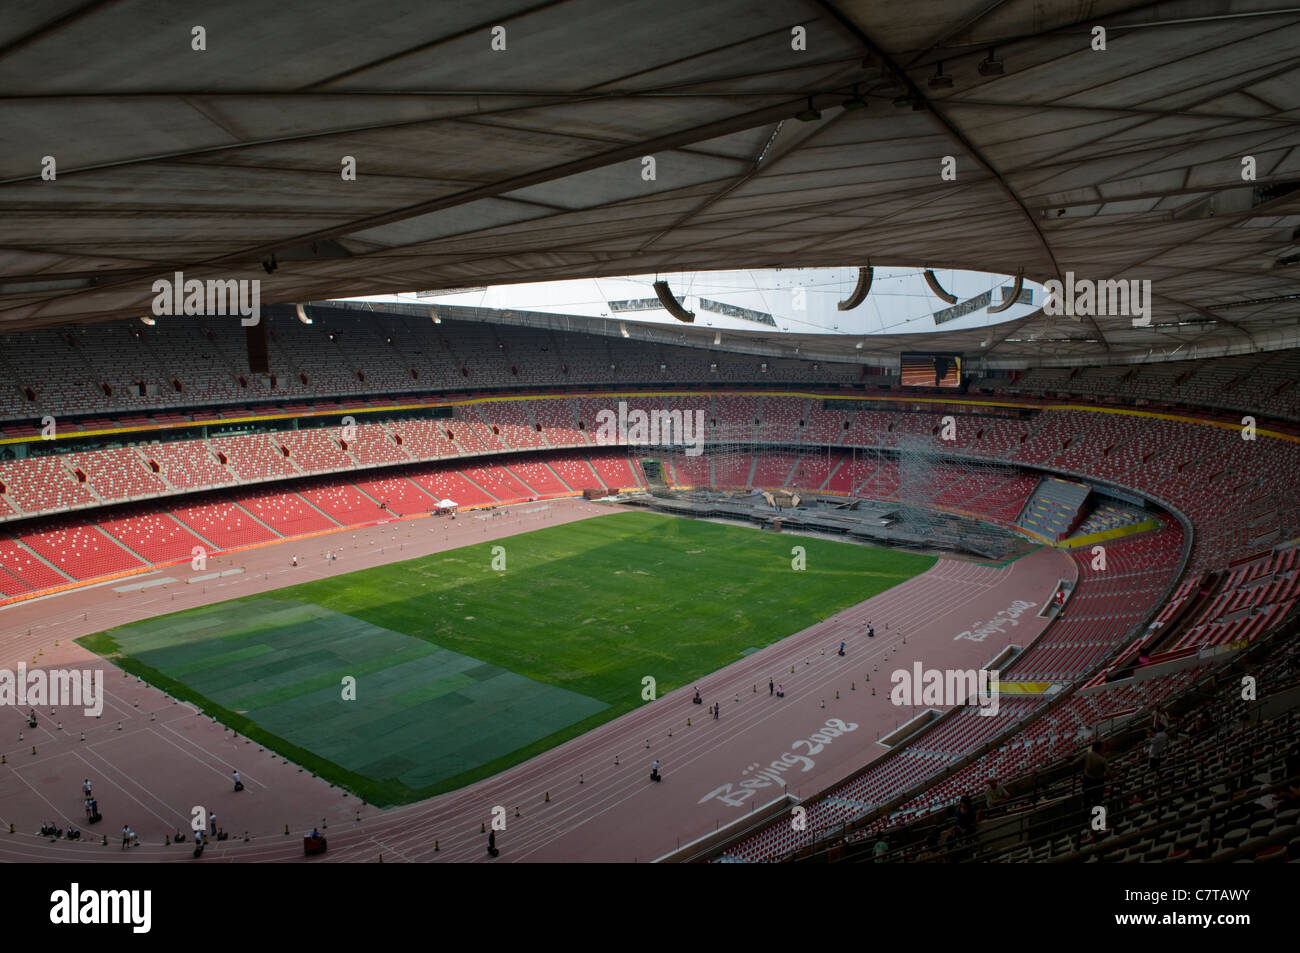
(1029, 532)
(1022, 688)
(1106, 534)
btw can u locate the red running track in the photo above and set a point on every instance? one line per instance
(152, 773)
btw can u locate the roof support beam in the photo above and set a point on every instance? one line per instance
(953, 132)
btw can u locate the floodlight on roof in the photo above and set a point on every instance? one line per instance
(1011, 298)
(671, 304)
(871, 68)
(856, 101)
(808, 115)
(937, 288)
(860, 291)
(991, 65)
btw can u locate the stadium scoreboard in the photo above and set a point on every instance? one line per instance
(930, 369)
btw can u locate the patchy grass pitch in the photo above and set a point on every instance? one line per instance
(462, 670)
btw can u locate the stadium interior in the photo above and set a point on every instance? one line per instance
(1160, 458)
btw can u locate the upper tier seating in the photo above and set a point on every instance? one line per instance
(254, 456)
(502, 425)
(121, 366)
(372, 444)
(42, 484)
(116, 474)
(426, 439)
(187, 465)
(1263, 382)
(559, 426)
(316, 450)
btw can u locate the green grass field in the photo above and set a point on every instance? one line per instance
(462, 670)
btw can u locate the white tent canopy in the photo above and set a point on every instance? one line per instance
(447, 504)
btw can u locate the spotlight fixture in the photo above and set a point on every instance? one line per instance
(991, 65)
(809, 114)
(855, 101)
(1009, 299)
(893, 86)
(270, 264)
(871, 69)
(671, 304)
(939, 293)
(940, 80)
(860, 290)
